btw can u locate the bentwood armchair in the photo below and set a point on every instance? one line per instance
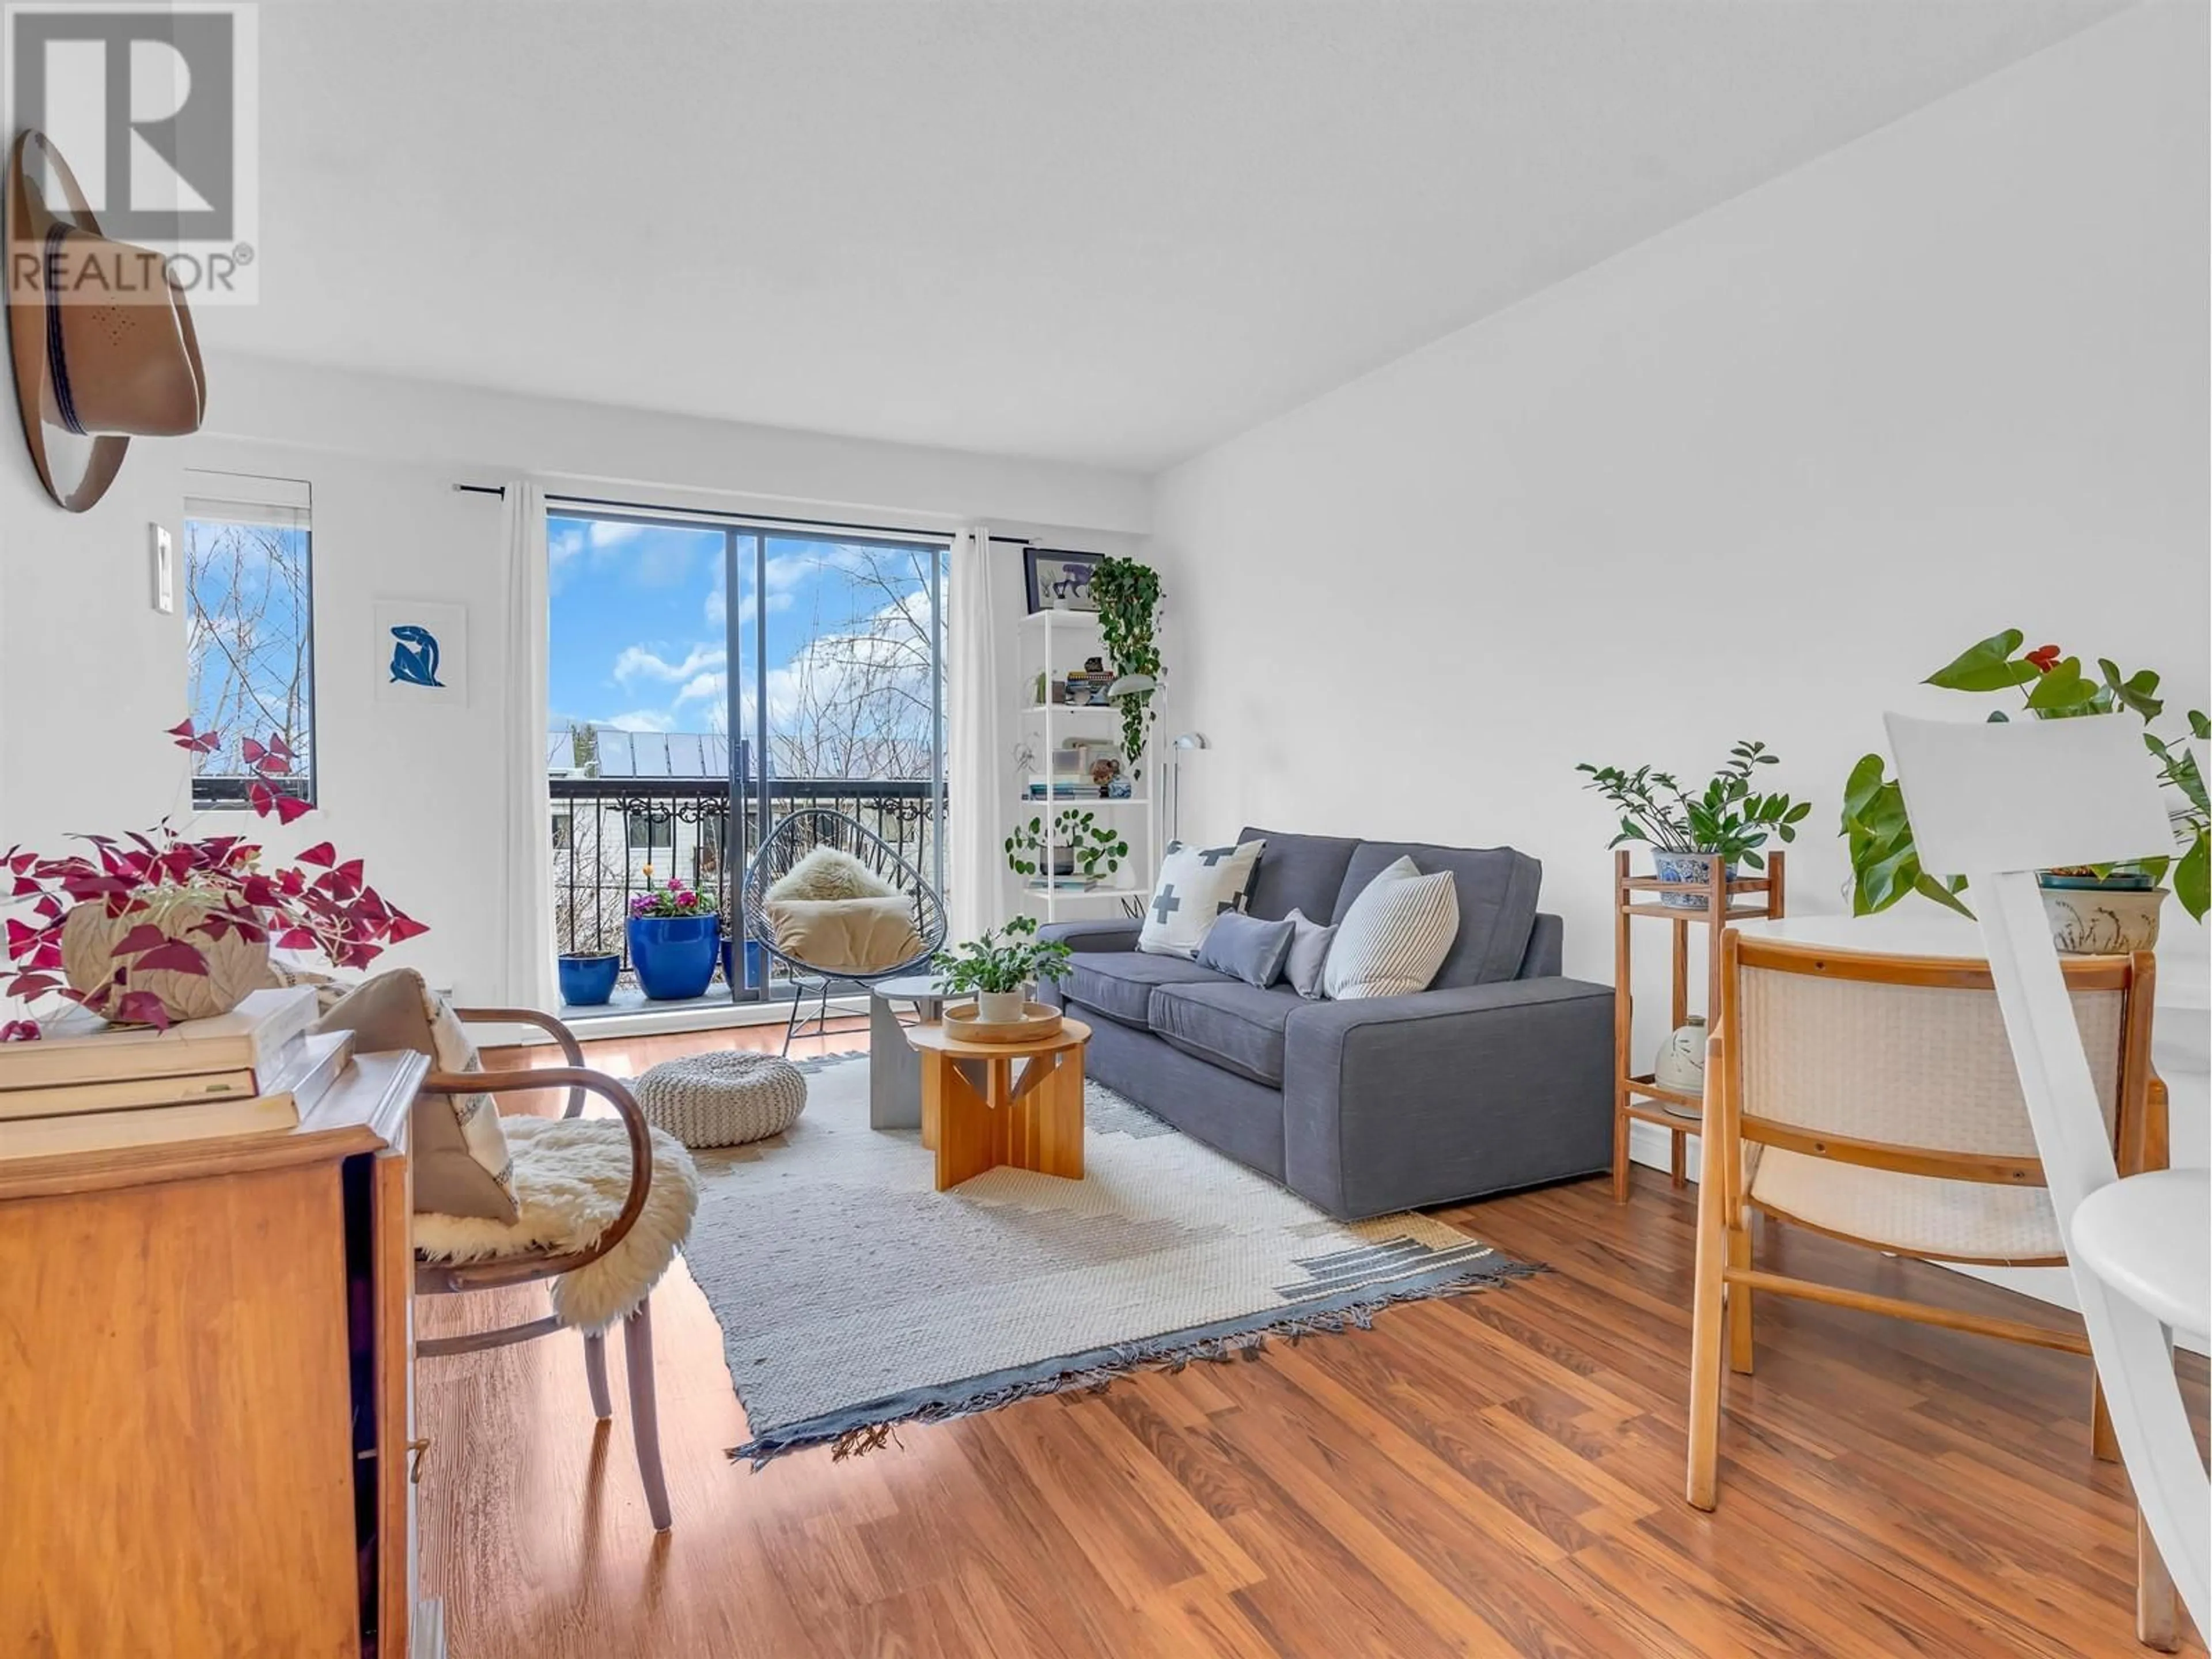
(536, 1260)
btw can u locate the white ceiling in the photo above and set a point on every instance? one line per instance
(1112, 231)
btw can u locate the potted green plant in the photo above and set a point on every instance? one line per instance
(999, 968)
(2100, 909)
(1727, 820)
(1128, 594)
(1076, 840)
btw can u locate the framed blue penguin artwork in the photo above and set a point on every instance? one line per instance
(420, 652)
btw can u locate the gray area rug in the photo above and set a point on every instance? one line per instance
(854, 1297)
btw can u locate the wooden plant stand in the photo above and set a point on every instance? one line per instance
(1746, 898)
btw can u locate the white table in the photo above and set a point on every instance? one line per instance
(894, 1068)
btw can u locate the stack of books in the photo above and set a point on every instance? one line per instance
(1086, 687)
(89, 1086)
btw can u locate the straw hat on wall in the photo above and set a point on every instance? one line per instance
(98, 329)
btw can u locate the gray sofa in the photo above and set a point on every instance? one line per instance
(1495, 1076)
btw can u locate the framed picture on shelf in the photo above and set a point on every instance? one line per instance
(1058, 580)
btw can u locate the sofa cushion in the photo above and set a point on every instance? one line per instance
(1246, 948)
(1195, 886)
(1307, 959)
(1299, 873)
(1395, 936)
(1496, 890)
(1119, 984)
(1235, 1026)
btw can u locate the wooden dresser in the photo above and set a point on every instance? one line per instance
(206, 1393)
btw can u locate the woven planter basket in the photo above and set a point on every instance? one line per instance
(722, 1099)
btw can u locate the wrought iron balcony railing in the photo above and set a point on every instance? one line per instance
(614, 837)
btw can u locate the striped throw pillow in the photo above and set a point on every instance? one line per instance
(1395, 937)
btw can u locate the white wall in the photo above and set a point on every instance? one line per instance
(1756, 477)
(91, 674)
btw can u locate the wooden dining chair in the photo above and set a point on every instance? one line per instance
(1872, 1097)
(543, 1264)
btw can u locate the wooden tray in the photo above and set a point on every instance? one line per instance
(1038, 1021)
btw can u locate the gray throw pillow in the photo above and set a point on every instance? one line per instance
(1246, 947)
(1308, 955)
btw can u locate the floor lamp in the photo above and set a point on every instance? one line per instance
(1189, 741)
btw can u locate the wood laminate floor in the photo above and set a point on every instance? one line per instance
(1498, 1474)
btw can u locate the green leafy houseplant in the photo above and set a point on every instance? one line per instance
(1005, 960)
(1128, 596)
(1728, 818)
(1885, 861)
(1097, 852)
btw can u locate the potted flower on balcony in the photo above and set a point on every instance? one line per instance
(999, 971)
(1728, 820)
(674, 940)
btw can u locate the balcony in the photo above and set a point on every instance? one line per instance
(614, 837)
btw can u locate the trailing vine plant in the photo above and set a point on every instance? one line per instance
(1128, 596)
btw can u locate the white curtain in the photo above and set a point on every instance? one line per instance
(975, 794)
(526, 934)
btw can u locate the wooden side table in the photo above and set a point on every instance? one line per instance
(984, 1104)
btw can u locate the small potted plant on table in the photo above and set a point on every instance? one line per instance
(674, 940)
(999, 969)
(1728, 820)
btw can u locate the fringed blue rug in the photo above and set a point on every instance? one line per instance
(853, 1297)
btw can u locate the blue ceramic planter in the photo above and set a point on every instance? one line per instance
(1694, 868)
(588, 981)
(675, 956)
(756, 965)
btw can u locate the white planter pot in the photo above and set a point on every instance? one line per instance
(1000, 1007)
(2090, 921)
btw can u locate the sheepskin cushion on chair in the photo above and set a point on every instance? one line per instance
(829, 873)
(571, 1177)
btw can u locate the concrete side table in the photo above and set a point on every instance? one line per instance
(894, 1068)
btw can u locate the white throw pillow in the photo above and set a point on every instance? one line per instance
(1395, 937)
(1196, 885)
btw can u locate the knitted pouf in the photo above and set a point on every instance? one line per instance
(722, 1099)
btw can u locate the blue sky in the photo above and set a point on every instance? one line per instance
(638, 637)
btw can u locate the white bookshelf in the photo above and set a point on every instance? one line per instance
(1054, 642)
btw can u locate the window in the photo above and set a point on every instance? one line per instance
(649, 831)
(250, 635)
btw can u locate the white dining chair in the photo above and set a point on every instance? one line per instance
(1996, 803)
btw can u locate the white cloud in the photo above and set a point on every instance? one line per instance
(638, 719)
(637, 662)
(702, 685)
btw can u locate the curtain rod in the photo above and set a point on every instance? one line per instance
(500, 490)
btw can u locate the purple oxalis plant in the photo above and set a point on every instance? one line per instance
(315, 902)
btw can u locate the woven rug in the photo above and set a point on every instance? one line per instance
(854, 1297)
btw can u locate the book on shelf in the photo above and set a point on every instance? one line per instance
(259, 1036)
(1063, 883)
(318, 1062)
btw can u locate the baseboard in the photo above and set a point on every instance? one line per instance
(1648, 1144)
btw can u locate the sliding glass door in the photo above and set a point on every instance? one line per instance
(708, 678)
